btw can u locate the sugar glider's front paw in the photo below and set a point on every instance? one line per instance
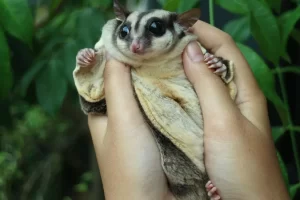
(88, 74)
(86, 57)
(222, 67)
(215, 62)
(212, 191)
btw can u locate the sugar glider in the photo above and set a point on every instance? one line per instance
(152, 43)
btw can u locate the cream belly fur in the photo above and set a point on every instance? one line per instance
(157, 89)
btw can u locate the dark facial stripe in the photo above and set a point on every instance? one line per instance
(170, 20)
(140, 16)
(147, 37)
(181, 35)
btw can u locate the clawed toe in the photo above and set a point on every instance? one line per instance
(212, 191)
(220, 70)
(215, 63)
(85, 57)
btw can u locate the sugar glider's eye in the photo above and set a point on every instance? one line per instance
(125, 29)
(157, 28)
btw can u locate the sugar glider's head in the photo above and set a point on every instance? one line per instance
(149, 34)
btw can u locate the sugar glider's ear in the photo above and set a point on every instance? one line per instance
(189, 18)
(120, 12)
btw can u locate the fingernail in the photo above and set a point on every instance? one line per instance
(194, 52)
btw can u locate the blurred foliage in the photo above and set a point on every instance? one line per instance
(41, 122)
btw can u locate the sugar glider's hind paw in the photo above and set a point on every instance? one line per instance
(221, 67)
(86, 57)
(212, 191)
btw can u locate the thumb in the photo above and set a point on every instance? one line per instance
(122, 107)
(213, 95)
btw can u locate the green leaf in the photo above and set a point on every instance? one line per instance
(265, 29)
(82, 187)
(234, 6)
(3, 157)
(16, 18)
(171, 5)
(296, 1)
(58, 23)
(275, 4)
(161, 2)
(104, 4)
(51, 87)
(55, 4)
(265, 79)
(239, 29)
(29, 77)
(69, 55)
(87, 177)
(283, 169)
(290, 69)
(90, 32)
(293, 190)
(296, 35)
(6, 77)
(71, 23)
(187, 5)
(287, 22)
(277, 133)
(50, 48)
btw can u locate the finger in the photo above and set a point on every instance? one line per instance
(122, 106)
(213, 95)
(250, 98)
(220, 43)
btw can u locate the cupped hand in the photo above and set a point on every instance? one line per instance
(126, 151)
(240, 156)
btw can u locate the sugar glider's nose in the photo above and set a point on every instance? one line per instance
(136, 46)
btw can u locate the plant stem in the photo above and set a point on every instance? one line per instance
(292, 132)
(287, 70)
(295, 128)
(211, 12)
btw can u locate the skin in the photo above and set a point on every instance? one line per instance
(240, 156)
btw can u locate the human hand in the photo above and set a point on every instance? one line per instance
(240, 156)
(126, 151)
